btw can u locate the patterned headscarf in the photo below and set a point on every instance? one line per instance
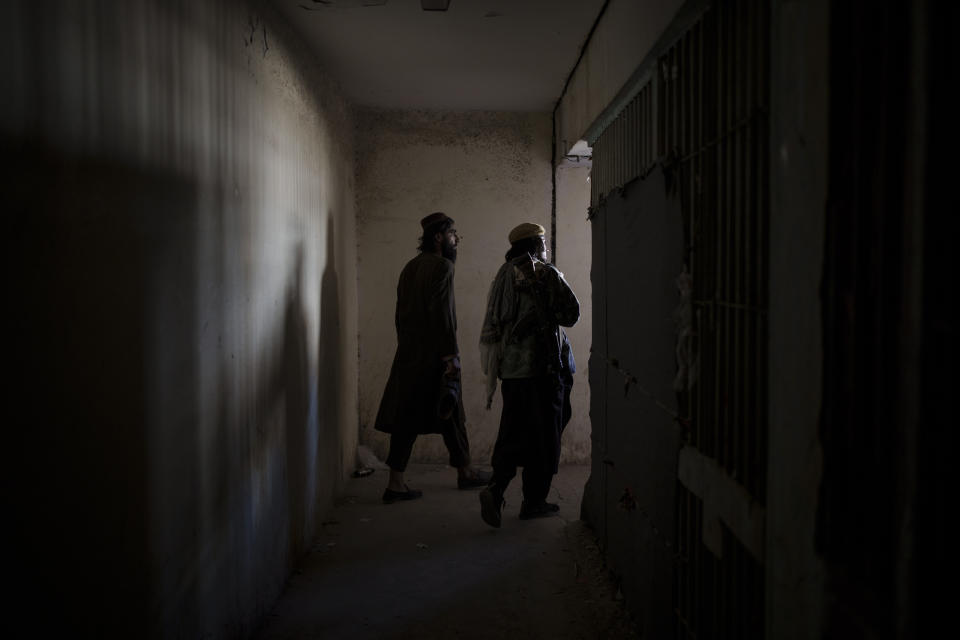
(501, 309)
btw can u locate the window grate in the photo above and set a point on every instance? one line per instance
(701, 115)
(626, 150)
(713, 139)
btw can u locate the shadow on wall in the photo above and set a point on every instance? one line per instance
(329, 365)
(295, 386)
(139, 506)
(93, 248)
(312, 400)
(165, 454)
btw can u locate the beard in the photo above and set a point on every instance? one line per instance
(449, 251)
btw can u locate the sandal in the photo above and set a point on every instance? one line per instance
(390, 496)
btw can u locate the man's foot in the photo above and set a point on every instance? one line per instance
(491, 504)
(474, 481)
(390, 496)
(538, 510)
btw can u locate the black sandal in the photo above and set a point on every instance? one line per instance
(477, 480)
(390, 496)
(541, 510)
(491, 507)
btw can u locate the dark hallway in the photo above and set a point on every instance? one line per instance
(442, 576)
(209, 203)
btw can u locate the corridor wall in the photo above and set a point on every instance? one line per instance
(179, 204)
(679, 376)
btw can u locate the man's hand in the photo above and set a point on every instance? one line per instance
(452, 369)
(527, 268)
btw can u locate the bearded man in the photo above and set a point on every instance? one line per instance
(423, 392)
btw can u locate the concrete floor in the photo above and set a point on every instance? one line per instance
(431, 568)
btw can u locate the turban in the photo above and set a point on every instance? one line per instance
(434, 218)
(525, 230)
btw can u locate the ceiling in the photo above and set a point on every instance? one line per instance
(500, 55)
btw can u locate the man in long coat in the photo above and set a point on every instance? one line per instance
(423, 392)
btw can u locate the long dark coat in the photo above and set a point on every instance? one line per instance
(426, 322)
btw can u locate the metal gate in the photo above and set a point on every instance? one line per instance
(701, 114)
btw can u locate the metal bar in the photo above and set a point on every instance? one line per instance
(642, 128)
(723, 241)
(611, 177)
(628, 145)
(752, 477)
(604, 182)
(730, 245)
(635, 137)
(697, 570)
(682, 66)
(742, 349)
(698, 87)
(593, 177)
(638, 128)
(718, 270)
(625, 145)
(621, 151)
(679, 108)
(625, 126)
(653, 106)
(690, 582)
(674, 107)
(644, 123)
(764, 168)
(602, 169)
(723, 244)
(614, 177)
(667, 103)
(595, 172)
(661, 103)
(621, 146)
(706, 222)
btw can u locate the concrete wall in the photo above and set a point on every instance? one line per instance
(489, 171)
(625, 34)
(178, 187)
(798, 181)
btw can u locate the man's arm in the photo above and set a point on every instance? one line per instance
(563, 302)
(444, 315)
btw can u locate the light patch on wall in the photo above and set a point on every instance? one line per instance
(573, 256)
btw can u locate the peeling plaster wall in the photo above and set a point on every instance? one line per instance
(489, 171)
(178, 186)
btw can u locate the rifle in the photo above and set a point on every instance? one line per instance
(541, 322)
